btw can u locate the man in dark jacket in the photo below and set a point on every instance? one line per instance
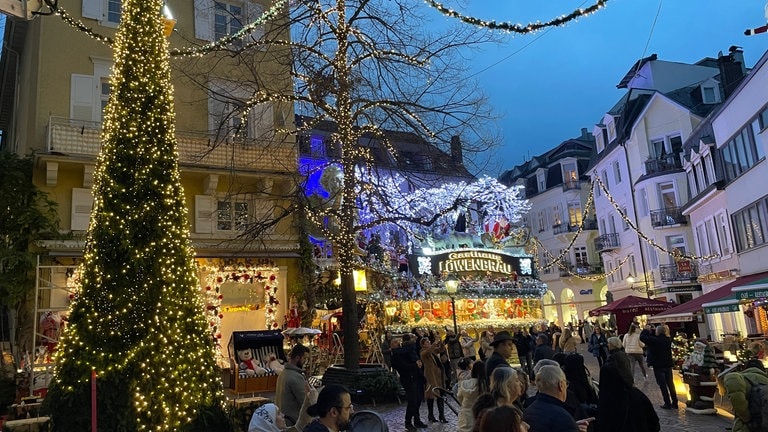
(659, 346)
(543, 350)
(548, 412)
(620, 360)
(502, 348)
(523, 345)
(455, 353)
(405, 360)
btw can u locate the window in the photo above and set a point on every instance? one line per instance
(644, 209)
(701, 239)
(599, 141)
(225, 108)
(107, 12)
(653, 257)
(106, 89)
(616, 172)
(724, 233)
(232, 213)
(89, 93)
(570, 173)
(625, 224)
(756, 128)
(621, 269)
(228, 19)
(317, 146)
(709, 95)
(541, 181)
(676, 243)
(611, 131)
(658, 149)
(542, 220)
(612, 224)
(667, 195)
(557, 215)
(742, 151)
(604, 176)
(574, 213)
(700, 176)
(690, 175)
(750, 225)
(215, 19)
(580, 255)
(609, 269)
(633, 265)
(714, 244)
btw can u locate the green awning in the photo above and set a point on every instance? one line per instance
(753, 290)
(723, 306)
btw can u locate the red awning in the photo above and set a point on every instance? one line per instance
(629, 307)
(633, 304)
(688, 310)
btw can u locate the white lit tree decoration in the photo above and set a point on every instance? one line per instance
(138, 320)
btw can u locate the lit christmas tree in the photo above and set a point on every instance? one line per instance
(138, 320)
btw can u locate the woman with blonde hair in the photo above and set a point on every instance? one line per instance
(504, 391)
(634, 348)
(568, 341)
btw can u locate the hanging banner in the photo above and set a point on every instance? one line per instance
(471, 261)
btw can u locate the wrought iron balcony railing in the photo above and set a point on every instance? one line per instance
(589, 224)
(667, 217)
(670, 162)
(571, 185)
(682, 271)
(83, 138)
(579, 268)
(607, 242)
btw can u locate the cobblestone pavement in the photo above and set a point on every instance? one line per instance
(671, 420)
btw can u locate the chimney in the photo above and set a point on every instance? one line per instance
(585, 135)
(732, 69)
(456, 155)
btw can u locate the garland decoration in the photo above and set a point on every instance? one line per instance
(674, 254)
(518, 28)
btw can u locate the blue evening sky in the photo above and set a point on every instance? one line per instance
(546, 86)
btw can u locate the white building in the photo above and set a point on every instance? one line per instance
(639, 145)
(557, 187)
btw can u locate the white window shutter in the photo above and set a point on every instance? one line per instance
(204, 19)
(203, 214)
(216, 112)
(261, 117)
(83, 91)
(253, 11)
(82, 202)
(93, 9)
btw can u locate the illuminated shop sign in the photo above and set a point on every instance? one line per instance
(471, 261)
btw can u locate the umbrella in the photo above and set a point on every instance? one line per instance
(629, 307)
(301, 331)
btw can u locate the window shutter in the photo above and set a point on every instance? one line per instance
(216, 112)
(253, 11)
(261, 118)
(203, 214)
(204, 19)
(82, 202)
(93, 9)
(83, 97)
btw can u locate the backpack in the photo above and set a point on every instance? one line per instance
(757, 400)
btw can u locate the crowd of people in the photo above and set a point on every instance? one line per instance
(493, 396)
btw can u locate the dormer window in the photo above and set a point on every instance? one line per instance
(710, 95)
(541, 181)
(611, 131)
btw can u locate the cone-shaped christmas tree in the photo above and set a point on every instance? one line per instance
(138, 319)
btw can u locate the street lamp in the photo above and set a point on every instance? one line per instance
(631, 283)
(451, 287)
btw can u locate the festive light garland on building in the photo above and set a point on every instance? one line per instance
(589, 204)
(217, 45)
(674, 254)
(571, 273)
(517, 28)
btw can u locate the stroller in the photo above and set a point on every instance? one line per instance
(367, 421)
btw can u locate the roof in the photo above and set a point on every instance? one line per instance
(580, 148)
(633, 70)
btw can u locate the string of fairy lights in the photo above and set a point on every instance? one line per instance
(676, 254)
(222, 43)
(567, 269)
(517, 28)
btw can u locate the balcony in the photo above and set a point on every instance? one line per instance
(670, 162)
(669, 216)
(589, 224)
(580, 268)
(571, 185)
(607, 242)
(83, 138)
(682, 271)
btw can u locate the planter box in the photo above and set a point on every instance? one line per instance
(258, 384)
